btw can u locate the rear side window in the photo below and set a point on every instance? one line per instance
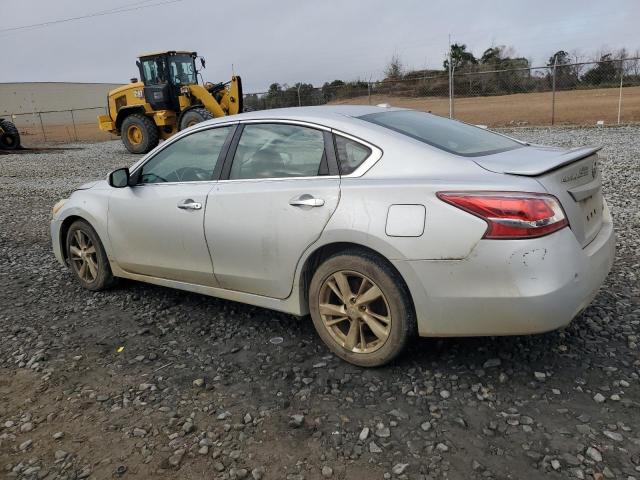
(443, 133)
(278, 150)
(351, 154)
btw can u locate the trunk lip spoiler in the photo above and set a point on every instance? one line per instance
(558, 161)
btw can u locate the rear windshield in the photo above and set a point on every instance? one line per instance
(448, 135)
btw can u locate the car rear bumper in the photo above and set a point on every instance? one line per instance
(510, 287)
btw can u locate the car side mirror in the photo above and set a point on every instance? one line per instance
(119, 178)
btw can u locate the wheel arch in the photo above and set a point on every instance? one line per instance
(125, 112)
(64, 228)
(315, 258)
(66, 223)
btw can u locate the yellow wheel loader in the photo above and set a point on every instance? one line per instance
(167, 99)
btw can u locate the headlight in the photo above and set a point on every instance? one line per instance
(59, 204)
(184, 90)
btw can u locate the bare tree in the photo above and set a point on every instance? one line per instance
(394, 69)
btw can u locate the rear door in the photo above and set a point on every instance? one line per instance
(156, 226)
(278, 190)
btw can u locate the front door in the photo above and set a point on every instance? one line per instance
(156, 226)
(276, 200)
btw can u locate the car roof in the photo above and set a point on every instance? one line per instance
(324, 114)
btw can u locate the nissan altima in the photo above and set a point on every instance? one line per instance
(381, 223)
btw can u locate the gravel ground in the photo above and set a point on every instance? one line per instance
(146, 382)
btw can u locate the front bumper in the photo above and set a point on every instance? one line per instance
(55, 241)
(510, 287)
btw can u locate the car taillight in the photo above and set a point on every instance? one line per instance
(511, 215)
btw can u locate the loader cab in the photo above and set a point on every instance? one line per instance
(163, 74)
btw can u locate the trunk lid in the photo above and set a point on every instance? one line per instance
(572, 176)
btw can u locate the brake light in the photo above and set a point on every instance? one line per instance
(511, 215)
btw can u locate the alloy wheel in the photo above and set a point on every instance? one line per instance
(83, 256)
(354, 311)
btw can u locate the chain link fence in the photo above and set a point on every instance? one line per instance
(587, 93)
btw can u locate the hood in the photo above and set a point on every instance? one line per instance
(533, 160)
(88, 185)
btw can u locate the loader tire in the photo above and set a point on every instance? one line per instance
(193, 116)
(9, 135)
(139, 133)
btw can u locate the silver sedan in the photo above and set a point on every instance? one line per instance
(382, 223)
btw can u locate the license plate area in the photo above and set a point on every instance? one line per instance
(591, 209)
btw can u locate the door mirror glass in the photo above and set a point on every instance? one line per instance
(119, 178)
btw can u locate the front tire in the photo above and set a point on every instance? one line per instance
(87, 257)
(361, 308)
(139, 133)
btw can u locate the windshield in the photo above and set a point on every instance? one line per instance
(182, 70)
(448, 135)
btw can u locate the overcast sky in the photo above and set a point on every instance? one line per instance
(287, 41)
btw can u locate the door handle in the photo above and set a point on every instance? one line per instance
(306, 201)
(189, 205)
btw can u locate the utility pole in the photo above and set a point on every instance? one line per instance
(450, 80)
(553, 90)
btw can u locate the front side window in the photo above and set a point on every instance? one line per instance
(155, 71)
(182, 70)
(443, 133)
(351, 154)
(278, 150)
(190, 159)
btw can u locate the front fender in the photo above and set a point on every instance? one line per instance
(89, 205)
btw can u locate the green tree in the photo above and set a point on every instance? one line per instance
(460, 57)
(604, 72)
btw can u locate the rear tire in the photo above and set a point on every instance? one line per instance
(378, 308)
(139, 133)
(194, 116)
(9, 135)
(87, 257)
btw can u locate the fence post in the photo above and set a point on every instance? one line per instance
(369, 91)
(299, 102)
(44, 135)
(620, 93)
(73, 121)
(553, 91)
(450, 88)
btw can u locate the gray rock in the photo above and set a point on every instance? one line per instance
(599, 398)
(492, 363)
(364, 434)
(399, 468)
(374, 448)
(594, 454)
(26, 427)
(258, 473)
(198, 382)
(327, 472)
(188, 427)
(615, 436)
(296, 421)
